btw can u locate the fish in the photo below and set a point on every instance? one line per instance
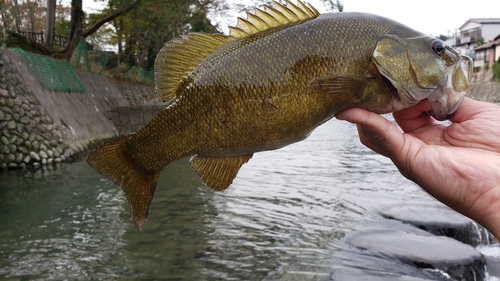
(279, 74)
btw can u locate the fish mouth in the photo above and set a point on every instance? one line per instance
(446, 100)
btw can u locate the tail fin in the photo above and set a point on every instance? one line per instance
(113, 161)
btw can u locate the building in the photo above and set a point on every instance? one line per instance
(488, 53)
(473, 31)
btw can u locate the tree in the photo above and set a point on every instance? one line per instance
(479, 41)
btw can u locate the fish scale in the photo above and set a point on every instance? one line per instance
(278, 75)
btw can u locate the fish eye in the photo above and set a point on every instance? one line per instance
(438, 47)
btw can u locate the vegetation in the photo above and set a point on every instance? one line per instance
(479, 41)
(496, 69)
(133, 30)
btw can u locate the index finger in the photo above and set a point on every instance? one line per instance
(412, 118)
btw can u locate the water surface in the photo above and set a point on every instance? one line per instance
(282, 219)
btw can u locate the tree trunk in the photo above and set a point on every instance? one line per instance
(75, 30)
(49, 24)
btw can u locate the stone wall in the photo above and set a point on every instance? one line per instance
(40, 127)
(489, 92)
(29, 136)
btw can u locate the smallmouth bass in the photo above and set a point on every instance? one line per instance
(277, 76)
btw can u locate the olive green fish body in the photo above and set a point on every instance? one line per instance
(255, 94)
(268, 85)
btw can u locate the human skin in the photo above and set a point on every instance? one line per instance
(457, 163)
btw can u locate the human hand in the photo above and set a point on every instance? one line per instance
(458, 164)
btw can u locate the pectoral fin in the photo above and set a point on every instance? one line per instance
(218, 172)
(343, 86)
(343, 91)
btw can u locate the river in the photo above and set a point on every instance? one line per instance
(283, 218)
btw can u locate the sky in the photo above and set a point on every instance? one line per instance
(433, 17)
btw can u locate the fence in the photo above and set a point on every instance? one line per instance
(39, 37)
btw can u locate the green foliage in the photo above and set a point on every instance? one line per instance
(333, 6)
(496, 69)
(443, 37)
(141, 33)
(479, 41)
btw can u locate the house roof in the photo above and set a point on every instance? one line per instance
(490, 44)
(481, 21)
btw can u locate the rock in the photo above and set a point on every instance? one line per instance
(438, 220)
(35, 145)
(42, 154)
(12, 91)
(34, 156)
(50, 160)
(360, 275)
(12, 165)
(44, 161)
(19, 158)
(27, 159)
(6, 109)
(25, 135)
(4, 93)
(20, 128)
(460, 261)
(11, 158)
(13, 139)
(4, 149)
(12, 148)
(57, 134)
(36, 165)
(11, 125)
(49, 153)
(25, 120)
(43, 147)
(4, 140)
(10, 102)
(53, 143)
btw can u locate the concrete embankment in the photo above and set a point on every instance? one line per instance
(41, 127)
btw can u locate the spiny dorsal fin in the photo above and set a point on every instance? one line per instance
(180, 56)
(218, 172)
(271, 17)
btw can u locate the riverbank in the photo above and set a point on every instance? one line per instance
(42, 127)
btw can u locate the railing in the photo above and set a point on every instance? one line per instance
(39, 37)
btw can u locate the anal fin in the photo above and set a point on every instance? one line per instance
(218, 172)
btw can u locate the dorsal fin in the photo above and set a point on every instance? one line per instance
(180, 56)
(270, 17)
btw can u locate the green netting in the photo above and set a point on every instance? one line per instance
(139, 74)
(94, 61)
(55, 75)
(80, 57)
